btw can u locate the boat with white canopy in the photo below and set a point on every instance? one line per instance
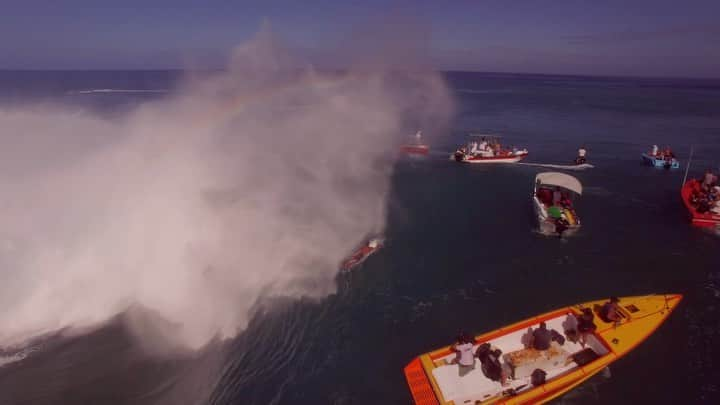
(553, 201)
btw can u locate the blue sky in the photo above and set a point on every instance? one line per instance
(601, 37)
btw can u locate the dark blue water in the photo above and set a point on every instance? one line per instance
(461, 254)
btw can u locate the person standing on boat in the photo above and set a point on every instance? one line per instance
(465, 358)
(708, 180)
(581, 159)
(654, 150)
(557, 196)
(586, 326)
(582, 152)
(483, 144)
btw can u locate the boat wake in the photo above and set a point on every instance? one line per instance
(583, 166)
(13, 356)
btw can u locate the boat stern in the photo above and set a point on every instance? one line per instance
(419, 383)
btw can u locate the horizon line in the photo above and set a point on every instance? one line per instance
(484, 72)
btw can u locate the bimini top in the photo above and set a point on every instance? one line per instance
(559, 179)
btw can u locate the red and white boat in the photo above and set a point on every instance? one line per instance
(362, 253)
(416, 148)
(703, 212)
(487, 150)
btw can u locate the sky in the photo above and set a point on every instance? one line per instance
(608, 37)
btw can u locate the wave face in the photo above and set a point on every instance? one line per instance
(246, 184)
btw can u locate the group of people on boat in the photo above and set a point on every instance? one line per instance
(705, 195)
(488, 355)
(665, 154)
(485, 147)
(556, 200)
(538, 339)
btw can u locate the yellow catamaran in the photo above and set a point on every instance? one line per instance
(434, 379)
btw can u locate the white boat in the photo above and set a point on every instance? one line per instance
(487, 149)
(553, 201)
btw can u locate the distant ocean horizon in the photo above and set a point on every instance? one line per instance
(443, 71)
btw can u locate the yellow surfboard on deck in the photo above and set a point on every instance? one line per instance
(642, 315)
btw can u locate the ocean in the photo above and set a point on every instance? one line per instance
(462, 253)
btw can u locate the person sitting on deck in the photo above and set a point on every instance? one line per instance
(611, 312)
(585, 325)
(490, 363)
(542, 337)
(465, 358)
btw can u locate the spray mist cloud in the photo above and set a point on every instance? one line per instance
(250, 183)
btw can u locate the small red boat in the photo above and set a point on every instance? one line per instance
(701, 213)
(417, 147)
(362, 253)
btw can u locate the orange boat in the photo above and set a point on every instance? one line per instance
(704, 219)
(434, 379)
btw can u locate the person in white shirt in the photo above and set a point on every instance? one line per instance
(581, 156)
(465, 358)
(654, 150)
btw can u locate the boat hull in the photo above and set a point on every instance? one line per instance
(644, 315)
(660, 162)
(487, 160)
(420, 150)
(706, 219)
